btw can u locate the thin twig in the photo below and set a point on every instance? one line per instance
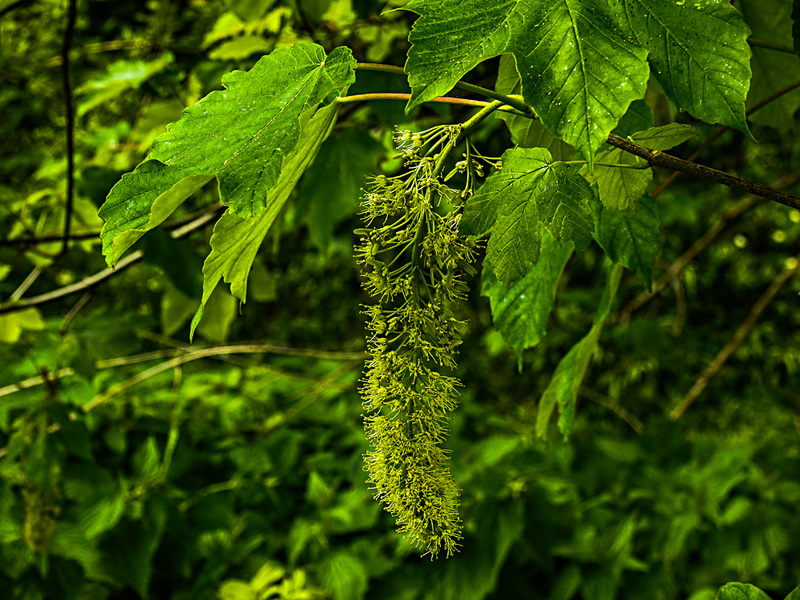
(73, 313)
(614, 407)
(27, 283)
(209, 352)
(70, 114)
(662, 159)
(83, 285)
(738, 337)
(190, 356)
(90, 282)
(34, 381)
(48, 237)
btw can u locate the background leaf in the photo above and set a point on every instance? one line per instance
(343, 575)
(771, 20)
(343, 163)
(741, 591)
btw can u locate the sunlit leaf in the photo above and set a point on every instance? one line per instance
(241, 136)
(698, 53)
(578, 73)
(236, 240)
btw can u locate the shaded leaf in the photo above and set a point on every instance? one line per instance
(103, 511)
(531, 194)
(121, 76)
(520, 312)
(475, 572)
(221, 310)
(180, 263)
(772, 71)
(562, 391)
(621, 186)
(630, 237)
(147, 459)
(328, 193)
(638, 117)
(796, 27)
(343, 575)
(525, 132)
(741, 591)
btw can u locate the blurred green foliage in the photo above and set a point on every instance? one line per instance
(135, 466)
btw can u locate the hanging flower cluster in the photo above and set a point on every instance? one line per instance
(414, 262)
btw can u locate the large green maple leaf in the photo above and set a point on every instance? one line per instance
(578, 72)
(241, 135)
(531, 194)
(582, 62)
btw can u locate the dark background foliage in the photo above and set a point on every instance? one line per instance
(135, 465)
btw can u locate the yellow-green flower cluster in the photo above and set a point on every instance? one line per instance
(413, 262)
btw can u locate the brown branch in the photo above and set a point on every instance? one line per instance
(661, 159)
(738, 337)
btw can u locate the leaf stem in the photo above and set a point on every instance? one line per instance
(513, 101)
(402, 96)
